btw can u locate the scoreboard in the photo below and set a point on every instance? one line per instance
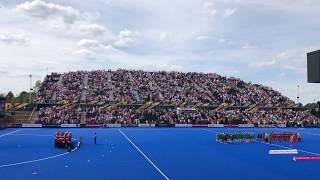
(2, 106)
(313, 65)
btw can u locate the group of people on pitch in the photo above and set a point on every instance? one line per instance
(280, 137)
(63, 139)
(235, 137)
(232, 137)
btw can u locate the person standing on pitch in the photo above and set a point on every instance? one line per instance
(95, 137)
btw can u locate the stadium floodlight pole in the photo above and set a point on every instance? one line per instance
(30, 88)
(298, 97)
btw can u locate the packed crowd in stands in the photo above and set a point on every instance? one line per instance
(57, 115)
(165, 87)
(71, 86)
(106, 87)
(48, 87)
(99, 88)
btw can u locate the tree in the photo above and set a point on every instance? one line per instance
(23, 97)
(37, 86)
(9, 96)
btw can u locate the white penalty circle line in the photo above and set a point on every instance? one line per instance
(308, 152)
(9, 133)
(144, 155)
(36, 160)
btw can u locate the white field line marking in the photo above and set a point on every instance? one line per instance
(37, 160)
(308, 152)
(143, 155)
(9, 133)
(301, 150)
(41, 159)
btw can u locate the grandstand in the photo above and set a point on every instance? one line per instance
(130, 97)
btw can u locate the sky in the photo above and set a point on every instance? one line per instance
(263, 42)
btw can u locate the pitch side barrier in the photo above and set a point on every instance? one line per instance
(146, 125)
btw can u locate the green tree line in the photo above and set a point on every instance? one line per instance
(23, 96)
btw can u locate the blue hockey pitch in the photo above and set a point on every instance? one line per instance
(153, 153)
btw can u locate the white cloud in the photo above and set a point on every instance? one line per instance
(43, 10)
(171, 67)
(201, 38)
(263, 63)
(64, 20)
(94, 47)
(248, 46)
(126, 38)
(92, 29)
(282, 55)
(229, 12)
(82, 35)
(209, 9)
(222, 40)
(164, 36)
(11, 38)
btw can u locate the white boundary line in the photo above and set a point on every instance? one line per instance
(41, 159)
(301, 150)
(37, 160)
(9, 133)
(308, 152)
(144, 155)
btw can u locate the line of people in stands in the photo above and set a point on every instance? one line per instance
(96, 114)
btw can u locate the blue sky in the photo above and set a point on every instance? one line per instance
(264, 42)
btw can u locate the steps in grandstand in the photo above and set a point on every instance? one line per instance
(153, 105)
(169, 117)
(202, 90)
(21, 116)
(182, 104)
(198, 105)
(256, 109)
(114, 106)
(72, 105)
(105, 106)
(222, 106)
(20, 107)
(32, 116)
(251, 108)
(209, 118)
(109, 84)
(63, 102)
(83, 118)
(84, 89)
(201, 105)
(93, 102)
(155, 85)
(146, 105)
(58, 85)
(132, 89)
(205, 89)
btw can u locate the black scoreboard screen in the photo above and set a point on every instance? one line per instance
(313, 65)
(2, 106)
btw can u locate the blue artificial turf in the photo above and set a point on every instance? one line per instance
(179, 153)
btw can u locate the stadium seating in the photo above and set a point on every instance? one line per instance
(130, 96)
